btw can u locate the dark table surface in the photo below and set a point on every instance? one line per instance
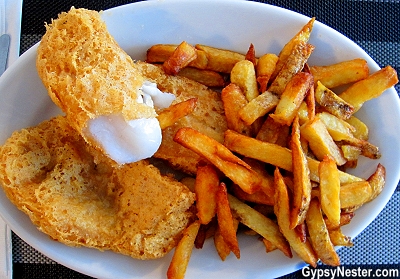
(373, 25)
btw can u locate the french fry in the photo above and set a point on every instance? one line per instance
(292, 97)
(159, 53)
(319, 235)
(234, 100)
(332, 102)
(320, 141)
(244, 75)
(258, 107)
(361, 130)
(183, 251)
(301, 179)
(355, 194)
(377, 181)
(329, 185)
(220, 60)
(206, 186)
(221, 157)
(251, 55)
(301, 37)
(351, 153)
(274, 132)
(259, 223)
(345, 218)
(180, 58)
(282, 212)
(369, 88)
(294, 64)
(225, 220)
(206, 77)
(265, 68)
(339, 239)
(269, 247)
(258, 197)
(170, 115)
(275, 155)
(222, 248)
(341, 73)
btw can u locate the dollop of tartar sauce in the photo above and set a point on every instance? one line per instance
(133, 140)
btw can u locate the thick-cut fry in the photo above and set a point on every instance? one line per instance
(294, 64)
(292, 97)
(329, 185)
(161, 52)
(369, 88)
(183, 251)
(244, 75)
(225, 220)
(345, 219)
(258, 197)
(222, 248)
(339, 239)
(332, 102)
(341, 73)
(351, 153)
(259, 223)
(265, 68)
(170, 115)
(319, 235)
(274, 154)
(377, 181)
(321, 142)
(274, 132)
(206, 77)
(258, 107)
(301, 37)
(355, 194)
(180, 58)
(361, 129)
(234, 100)
(206, 186)
(282, 212)
(232, 166)
(301, 179)
(220, 60)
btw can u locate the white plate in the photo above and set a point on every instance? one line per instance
(226, 24)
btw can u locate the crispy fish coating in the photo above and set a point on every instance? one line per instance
(77, 196)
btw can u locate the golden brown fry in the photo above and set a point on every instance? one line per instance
(369, 88)
(251, 55)
(293, 65)
(274, 154)
(355, 194)
(329, 185)
(269, 247)
(183, 251)
(258, 107)
(341, 73)
(225, 220)
(351, 153)
(332, 102)
(377, 181)
(265, 68)
(301, 37)
(220, 60)
(292, 97)
(206, 77)
(206, 186)
(301, 179)
(345, 219)
(222, 248)
(321, 142)
(259, 223)
(170, 115)
(244, 75)
(339, 239)
(180, 58)
(282, 212)
(221, 157)
(258, 197)
(319, 235)
(361, 130)
(234, 100)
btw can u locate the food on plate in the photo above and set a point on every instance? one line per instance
(74, 194)
(105, 97)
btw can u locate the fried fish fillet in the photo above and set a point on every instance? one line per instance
(76, 195)
(208, 116)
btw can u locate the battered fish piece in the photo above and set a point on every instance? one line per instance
(207, 118)
(95, 82)
(75, 194)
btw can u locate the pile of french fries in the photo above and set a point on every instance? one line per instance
(281, 172)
